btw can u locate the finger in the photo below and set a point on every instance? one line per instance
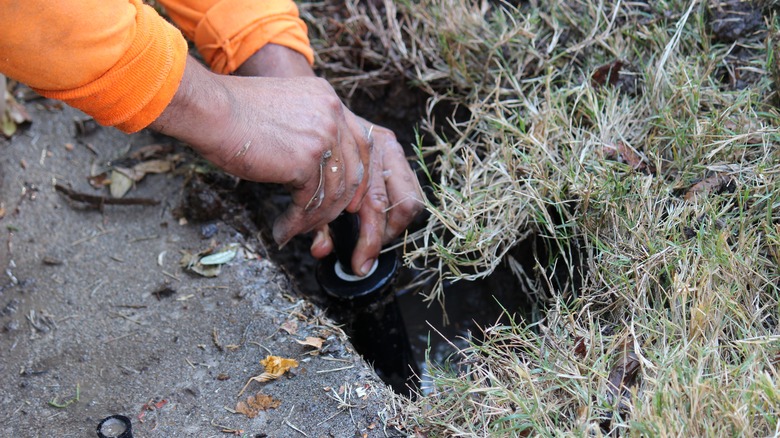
(403, 190)
(311, 207)
(372, 220)
(363, 136)
(322, 245)
(333, 179)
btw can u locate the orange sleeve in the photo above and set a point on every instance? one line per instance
(228, 32)
(116, 60)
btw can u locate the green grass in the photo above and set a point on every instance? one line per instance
(680, 256)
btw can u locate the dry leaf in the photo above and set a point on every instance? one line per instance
(623, 376)
(151, 151)
(120, 182)
(290, 326)
(607, 74)
(275, 366)
(714, 184)
(312, 342)
(580, 347)
(99, 181)
(625, 154)
(12, 113)
(3, 91)
(254, 404)
(151, 166)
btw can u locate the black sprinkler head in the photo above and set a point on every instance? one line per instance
(335, 275)
(115, 426)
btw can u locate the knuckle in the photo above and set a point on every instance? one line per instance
(379, 201)
(340, 190)
(408, 209)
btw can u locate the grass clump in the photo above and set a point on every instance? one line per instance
(638, 141)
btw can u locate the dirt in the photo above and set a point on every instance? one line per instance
(93, 302)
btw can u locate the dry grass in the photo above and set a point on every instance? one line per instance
(664, 190)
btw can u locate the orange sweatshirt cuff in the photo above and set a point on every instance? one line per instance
(136, 90)
(233, 30)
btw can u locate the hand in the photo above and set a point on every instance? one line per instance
(291, 131)
(393, 199)
(394, 196)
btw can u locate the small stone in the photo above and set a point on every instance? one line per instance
(11, 326)
(208, 231)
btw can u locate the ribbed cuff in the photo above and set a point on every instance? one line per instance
(234, 30)
(136, 90)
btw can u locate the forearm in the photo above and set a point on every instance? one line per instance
(276, 61)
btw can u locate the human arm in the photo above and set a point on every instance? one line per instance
(120, 62)
(291, 131)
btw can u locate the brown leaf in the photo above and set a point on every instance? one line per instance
(607, 74)
(623, 375)
(712, 184)
(99, 181)
(290, 326)
(254, 404)
(312, 342)
(580, 348)
(151, 151)
(626, 154)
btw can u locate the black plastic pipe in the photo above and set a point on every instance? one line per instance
(366, 306)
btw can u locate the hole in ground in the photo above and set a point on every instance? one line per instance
(396, 333)
(396, 337)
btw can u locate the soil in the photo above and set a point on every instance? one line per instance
(94, 302)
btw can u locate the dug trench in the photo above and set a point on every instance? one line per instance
(401, 333)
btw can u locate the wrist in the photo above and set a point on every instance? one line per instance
(273, 60)
(200, 105)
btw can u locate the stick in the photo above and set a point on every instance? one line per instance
(99, 201)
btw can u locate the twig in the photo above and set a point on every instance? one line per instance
(287, 422)
(335, 359)
(171, 275)
(335, 369)
(261, 346)
(142, 238)
(126, 317)
(100, 201)
(94, 236)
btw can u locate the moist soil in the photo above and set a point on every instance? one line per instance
(98, 318)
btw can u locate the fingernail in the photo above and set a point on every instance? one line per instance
(319, 239)
(366, 266)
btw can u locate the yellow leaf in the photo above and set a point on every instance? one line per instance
(276, 366)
